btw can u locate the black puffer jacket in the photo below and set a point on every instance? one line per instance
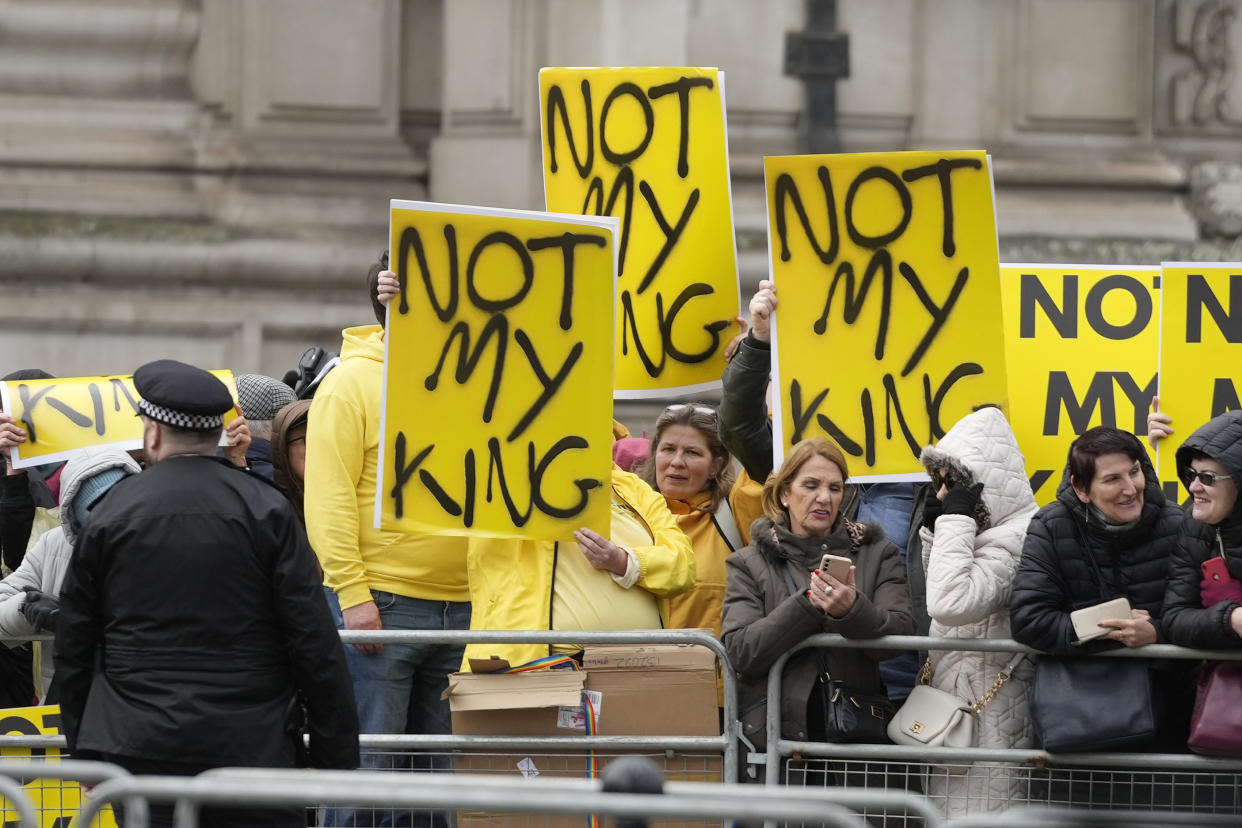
(1189, 624)
(1057, 575)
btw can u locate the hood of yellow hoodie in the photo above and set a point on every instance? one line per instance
(366, 341)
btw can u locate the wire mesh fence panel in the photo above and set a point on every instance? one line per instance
(960, 790)
(676, 767)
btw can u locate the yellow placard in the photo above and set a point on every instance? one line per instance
(55, 801)
(648, 145)
(1200, 353)
(1081, 341)
(497, 400)
(888, 328)
(62, 416)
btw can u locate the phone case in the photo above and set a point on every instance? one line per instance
(836, 566)
(1086, 621)
(1214, 569)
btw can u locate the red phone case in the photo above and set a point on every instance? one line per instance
(1215, 569)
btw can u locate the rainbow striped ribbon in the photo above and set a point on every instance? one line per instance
(588, 709)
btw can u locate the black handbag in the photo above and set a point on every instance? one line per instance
(1094, 703)
(856, 716)
(1081, 703)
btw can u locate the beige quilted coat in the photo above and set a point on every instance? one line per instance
(969, 580)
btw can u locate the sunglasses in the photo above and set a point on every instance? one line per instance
(1205, 477)
(941, 478)
(698, 409)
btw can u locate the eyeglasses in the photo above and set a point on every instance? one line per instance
(941, 478)
(1207, 478)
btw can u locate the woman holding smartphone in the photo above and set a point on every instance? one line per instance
(972, 536)
(777, 595)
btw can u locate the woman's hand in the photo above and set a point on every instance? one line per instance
(602, 553)
(237, 434)
(762, 304)
(387, 287)
(1135, 631)
(1159, 425)
(11, 434)
(834, 597)
(742, 326)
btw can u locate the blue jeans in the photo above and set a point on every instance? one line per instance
(398, 691)
(890, 505)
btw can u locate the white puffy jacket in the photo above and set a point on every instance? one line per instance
(970, 577)
(47, 560)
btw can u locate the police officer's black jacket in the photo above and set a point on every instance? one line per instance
(1056, 576)
(191, 613)
(1188, 622)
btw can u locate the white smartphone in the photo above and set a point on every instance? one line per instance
(1087, 620)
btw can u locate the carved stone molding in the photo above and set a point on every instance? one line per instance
(1199, 67)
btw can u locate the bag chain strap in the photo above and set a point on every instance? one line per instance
(925, 677)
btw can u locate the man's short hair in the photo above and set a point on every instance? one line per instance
(203, 442)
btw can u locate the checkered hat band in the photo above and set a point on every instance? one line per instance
(179, 419)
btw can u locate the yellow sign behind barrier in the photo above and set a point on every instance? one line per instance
(1200, 353)
(648, 145)
(62, 416)
(55, 801)
(888, 328)
(498, 374)
(1081, 343)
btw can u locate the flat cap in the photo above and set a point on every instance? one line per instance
(261, 397)
(181, 395)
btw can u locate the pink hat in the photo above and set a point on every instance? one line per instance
(629, 450)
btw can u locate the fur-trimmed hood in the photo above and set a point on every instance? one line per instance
(981, 448)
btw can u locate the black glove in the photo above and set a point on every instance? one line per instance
(932, 509)
(40, 609)
(962, 500)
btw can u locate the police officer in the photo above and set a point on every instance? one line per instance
(193, 631)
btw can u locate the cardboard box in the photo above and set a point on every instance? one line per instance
(654, 690)
(538, 703)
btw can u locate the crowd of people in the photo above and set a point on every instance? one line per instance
(197, 599)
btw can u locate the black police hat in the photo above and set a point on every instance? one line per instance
(182, 396)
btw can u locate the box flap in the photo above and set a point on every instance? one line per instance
(515, 691)
(648, 657)
(494, 664)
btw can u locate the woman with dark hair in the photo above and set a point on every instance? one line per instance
(1199, 611)
(692, 469)
(777, 594)
(1109, 534)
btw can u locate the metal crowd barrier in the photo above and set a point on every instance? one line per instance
(1072, 779)
(1212, 772)
(682, 801)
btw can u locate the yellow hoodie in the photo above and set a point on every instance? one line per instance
(342, 452)
(511, 581)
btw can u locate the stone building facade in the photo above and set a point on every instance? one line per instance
(209, 179)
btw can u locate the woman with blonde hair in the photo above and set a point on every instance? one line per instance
(778, 595)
